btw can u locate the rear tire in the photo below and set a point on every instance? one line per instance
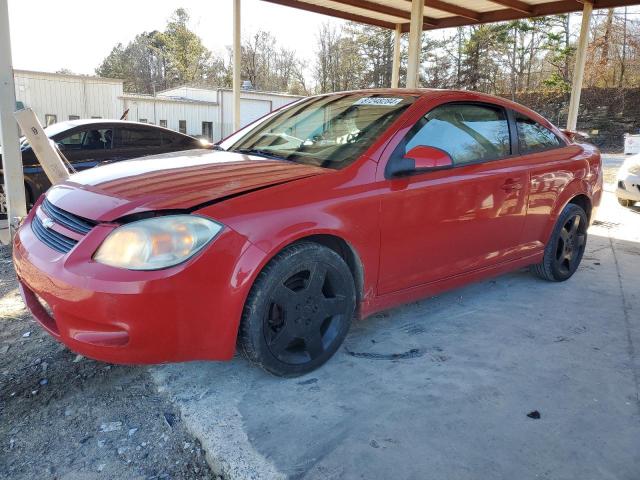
(298, 311)
(564, 251)
(625, 203)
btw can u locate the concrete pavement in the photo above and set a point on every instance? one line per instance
(441, 388)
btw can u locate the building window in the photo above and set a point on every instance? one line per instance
(143, 120)
(50, 119)
(96, 117)
(207, 130)
(163, 123)
(182, 126)
(74, 117)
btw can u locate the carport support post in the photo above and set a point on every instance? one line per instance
(9, 136)
(415, 42)
(395, 73)
(237, 63)
(578, 70)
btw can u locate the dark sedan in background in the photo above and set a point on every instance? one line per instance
(89, 143)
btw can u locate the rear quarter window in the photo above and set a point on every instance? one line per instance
(139, 137)
(534, 137)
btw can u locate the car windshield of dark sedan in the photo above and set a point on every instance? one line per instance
(50, 131)
(329, 131)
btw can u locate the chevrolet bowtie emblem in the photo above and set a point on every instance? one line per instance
(47, 223)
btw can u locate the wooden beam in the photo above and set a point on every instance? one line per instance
(415, 43)
(614, 3)
(237, 61)
(378, 7)
(515, 5)
(539, 10)
(387, 10)
(578, 70)
(395, 73)
(455, 9)
(9, 135)
(332, 12)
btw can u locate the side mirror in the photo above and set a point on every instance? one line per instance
(420, 158)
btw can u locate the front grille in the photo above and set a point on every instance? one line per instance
(68, 220)
(50, 237)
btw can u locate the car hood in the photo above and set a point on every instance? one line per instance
(175, 181)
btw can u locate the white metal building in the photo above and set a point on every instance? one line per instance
(202, 111)
(57, 97)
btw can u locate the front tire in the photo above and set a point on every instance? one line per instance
(625, 203)
(299, 310)
(564, 251)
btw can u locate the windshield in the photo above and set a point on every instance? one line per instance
(329, 131)
(50, 131)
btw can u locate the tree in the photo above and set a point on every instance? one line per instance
(339, 63)
(160, 60)
(141, 64)
(186, 57)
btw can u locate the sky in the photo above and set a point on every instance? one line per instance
(78, 35)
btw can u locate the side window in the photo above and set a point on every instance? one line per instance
(467, 132)
(167, 139)
(533, 137)
(73, 141)
(97, 139)
(189, 142)
(139, 138)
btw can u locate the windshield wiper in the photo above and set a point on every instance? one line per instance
(260, 152)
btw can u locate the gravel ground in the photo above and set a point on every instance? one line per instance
(63, 416)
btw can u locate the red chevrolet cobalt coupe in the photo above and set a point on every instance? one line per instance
(336, 206)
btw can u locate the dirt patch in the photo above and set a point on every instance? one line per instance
(64, 416)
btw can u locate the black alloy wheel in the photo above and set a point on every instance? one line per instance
(298, 311)
(564, 251)
(570, 245)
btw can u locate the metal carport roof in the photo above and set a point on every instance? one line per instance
(440, 14)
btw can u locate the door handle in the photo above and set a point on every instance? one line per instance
(511, 185)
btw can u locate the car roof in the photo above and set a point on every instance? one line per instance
(69, 124)
(419, 92)
(462, 95)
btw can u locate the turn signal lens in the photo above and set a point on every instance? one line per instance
(156, 243)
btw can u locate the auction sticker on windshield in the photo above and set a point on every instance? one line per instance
(379, 101)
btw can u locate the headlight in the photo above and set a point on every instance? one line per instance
(157, 242)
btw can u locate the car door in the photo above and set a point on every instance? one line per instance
(552, 164)
(441, 223)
